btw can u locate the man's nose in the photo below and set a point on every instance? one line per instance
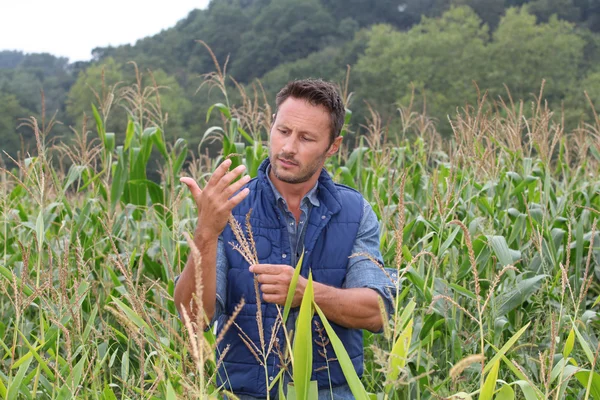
(289, 145)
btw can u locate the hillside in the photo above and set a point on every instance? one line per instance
(438, 48)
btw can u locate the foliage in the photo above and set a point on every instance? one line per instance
(439, 48)
(492, 237)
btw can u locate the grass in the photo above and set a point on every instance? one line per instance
(491, 235)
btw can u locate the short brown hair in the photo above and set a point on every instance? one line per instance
(317, 92)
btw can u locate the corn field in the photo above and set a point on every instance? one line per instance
(490, 235)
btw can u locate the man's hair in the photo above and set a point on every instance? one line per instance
(317, 92)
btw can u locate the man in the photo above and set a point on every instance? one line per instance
(296, 207)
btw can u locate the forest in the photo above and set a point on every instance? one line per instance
(437, 55)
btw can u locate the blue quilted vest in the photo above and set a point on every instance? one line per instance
(330, 233)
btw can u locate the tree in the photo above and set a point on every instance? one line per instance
(524, 53)
(284, 31)
(97, 85)
(10, 113)
(563, 9)
(440, 58)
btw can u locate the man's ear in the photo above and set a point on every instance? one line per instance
(335, 146)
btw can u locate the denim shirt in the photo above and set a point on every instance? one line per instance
(361, 272)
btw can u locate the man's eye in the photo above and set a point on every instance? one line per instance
(307, 139)
(283, 131)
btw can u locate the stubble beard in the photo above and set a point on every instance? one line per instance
(303, 175)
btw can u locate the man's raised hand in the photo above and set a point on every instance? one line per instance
(218, 198)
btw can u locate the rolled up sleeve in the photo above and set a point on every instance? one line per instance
(361, 271)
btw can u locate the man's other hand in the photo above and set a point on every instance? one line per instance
(275, 281)
(218, 198)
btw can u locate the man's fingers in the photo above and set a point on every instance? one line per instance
(269, 269)
(234, 187)
(274, 299)
(237, 199)
(229, 177)
(270, 289)
(219, 172)
(193, 186)
(267, 278)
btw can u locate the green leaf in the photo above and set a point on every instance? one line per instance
(120, 177)
(505, 348)
(505, 393)
(125, 366)
(245, 135)
(592, 379)
(292, 289)
(158, 140)
(8, 275)
(399, 354)
(596, 302)
(109, 141)
(33, 351)
(511, 299)
(528, 390)
(303, 352)
(108, 394)
(500, 247)
(67, 391)
(356, 386)
(487, 390)
(99, 124)
(569, 344)
(14, 385)
(2, 388)
(461, 396)
(584, 345)
(39, 229)
(133, 317)
(180, 150)
(221, 107)
(129, 134)
(313, 391)
(170, 392)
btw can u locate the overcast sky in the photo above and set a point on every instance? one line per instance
(72, 28)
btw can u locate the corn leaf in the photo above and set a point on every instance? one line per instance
(487, 390)
(584, 345)
(529, 392)
(133, 317)
(99, 124)
(14, 385)
(505, 393)
(108, 394)
(303, 352)
(341, 354)
(170, 392)
(590, 380)
(461, 396)
(569, 344)
(69, 388)
(292, 289)
(399, 354)
(511, 299)
(501, 249)
(505, 348)
(596, 302)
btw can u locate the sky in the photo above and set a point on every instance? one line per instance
(72, 28)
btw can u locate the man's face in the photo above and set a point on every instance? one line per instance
(299, 142)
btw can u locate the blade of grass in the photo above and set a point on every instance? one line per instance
(303, 352)
(352, 378)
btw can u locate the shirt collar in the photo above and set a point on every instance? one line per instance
(310, 196)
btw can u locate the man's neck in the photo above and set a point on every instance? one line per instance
(293, 193)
